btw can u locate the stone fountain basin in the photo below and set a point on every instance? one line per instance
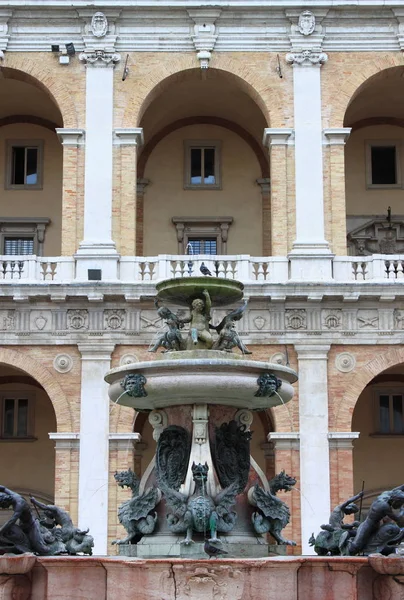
(16, 564)
(201, 377)
(184, 290)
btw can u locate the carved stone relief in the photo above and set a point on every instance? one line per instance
(377, 236)
(63, 363)
(7, 320)
(398, 316)
(77, 319)
(99, 25)
(201, 583)
(128, 359)
(368, 319)
(148, 320)
(295, 318)
(332, 319)
(345, 362)
(114, 319)
(40, 320)
(306, 23)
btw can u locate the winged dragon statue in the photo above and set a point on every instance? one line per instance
(272, 514)
(200, 512)
(135, 514)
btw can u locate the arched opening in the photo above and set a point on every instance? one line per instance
(375, 165)
(31, 182)
(379, 417)
(202, 158)
(27, 460)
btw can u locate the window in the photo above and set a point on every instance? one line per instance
(202, 245)
(202, 235)
(21, 236)
(17, 415)
(390, 415)
(24, 164)
(202, 165)
(383, 164)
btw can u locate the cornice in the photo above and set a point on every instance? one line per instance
(241, 26)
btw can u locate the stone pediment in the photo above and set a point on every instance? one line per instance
(377, 236)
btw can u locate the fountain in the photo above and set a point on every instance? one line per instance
(202, 483)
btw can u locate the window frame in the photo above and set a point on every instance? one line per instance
(24, 227)
(10, 144)
(204, 227)
(202, 144)
(18, 395)
(368, 166)
(387, 391)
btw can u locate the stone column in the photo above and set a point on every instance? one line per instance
(277, 141)
(335, 140)
(310, 256)
(97, 250)
(94, 428)
(73, 146)
(314, 451)
(341, 465)
(126, 142)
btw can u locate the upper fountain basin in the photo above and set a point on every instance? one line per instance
(184, 290)
(201, 377)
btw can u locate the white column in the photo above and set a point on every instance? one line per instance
(310, 256)
(94, 429)
(314, 447)
(97, 250)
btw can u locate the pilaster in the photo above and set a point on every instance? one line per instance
(126, 143)
(66, 471)
(94, 442)
(72, 141)
(334, 179)
(277, 141)
(310, 257)
(341, 465)
(97, 250)
(141, 186)
(314, 447)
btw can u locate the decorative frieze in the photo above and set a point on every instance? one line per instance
(106, 57)
(345, 362)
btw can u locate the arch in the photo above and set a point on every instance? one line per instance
(267, 93)
(371, 121)
(354, 84)
(245, 135)
(35, 72)
(360, 379)
(29, 365)
(28, 119)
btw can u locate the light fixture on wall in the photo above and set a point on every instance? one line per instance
(70, 49)
(65, 53)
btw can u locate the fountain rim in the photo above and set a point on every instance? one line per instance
(239, 364)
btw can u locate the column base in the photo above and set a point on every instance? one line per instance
(97, 261)
(311, 262)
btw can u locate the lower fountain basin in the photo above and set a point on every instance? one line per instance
(202, 376)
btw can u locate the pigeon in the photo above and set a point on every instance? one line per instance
(212, 550)
(204, 270)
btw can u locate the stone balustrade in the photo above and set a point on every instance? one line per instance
(243, 267)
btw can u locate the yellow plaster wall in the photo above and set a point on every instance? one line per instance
(240, 196)
(46, 202)
(30, 465)
(373, 201)
(376, 460)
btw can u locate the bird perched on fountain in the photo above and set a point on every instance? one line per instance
(204, 270)
(212, 550)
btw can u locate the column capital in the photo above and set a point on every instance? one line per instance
(131, 136)
(97, 57)
(98, 352)
(65, 440)
(337, 136)
(70, 137)
(309, 57)
(282, 136)
(265, 184)
(122, 441)
(284, 440)
(315, 352)
(342, 440)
